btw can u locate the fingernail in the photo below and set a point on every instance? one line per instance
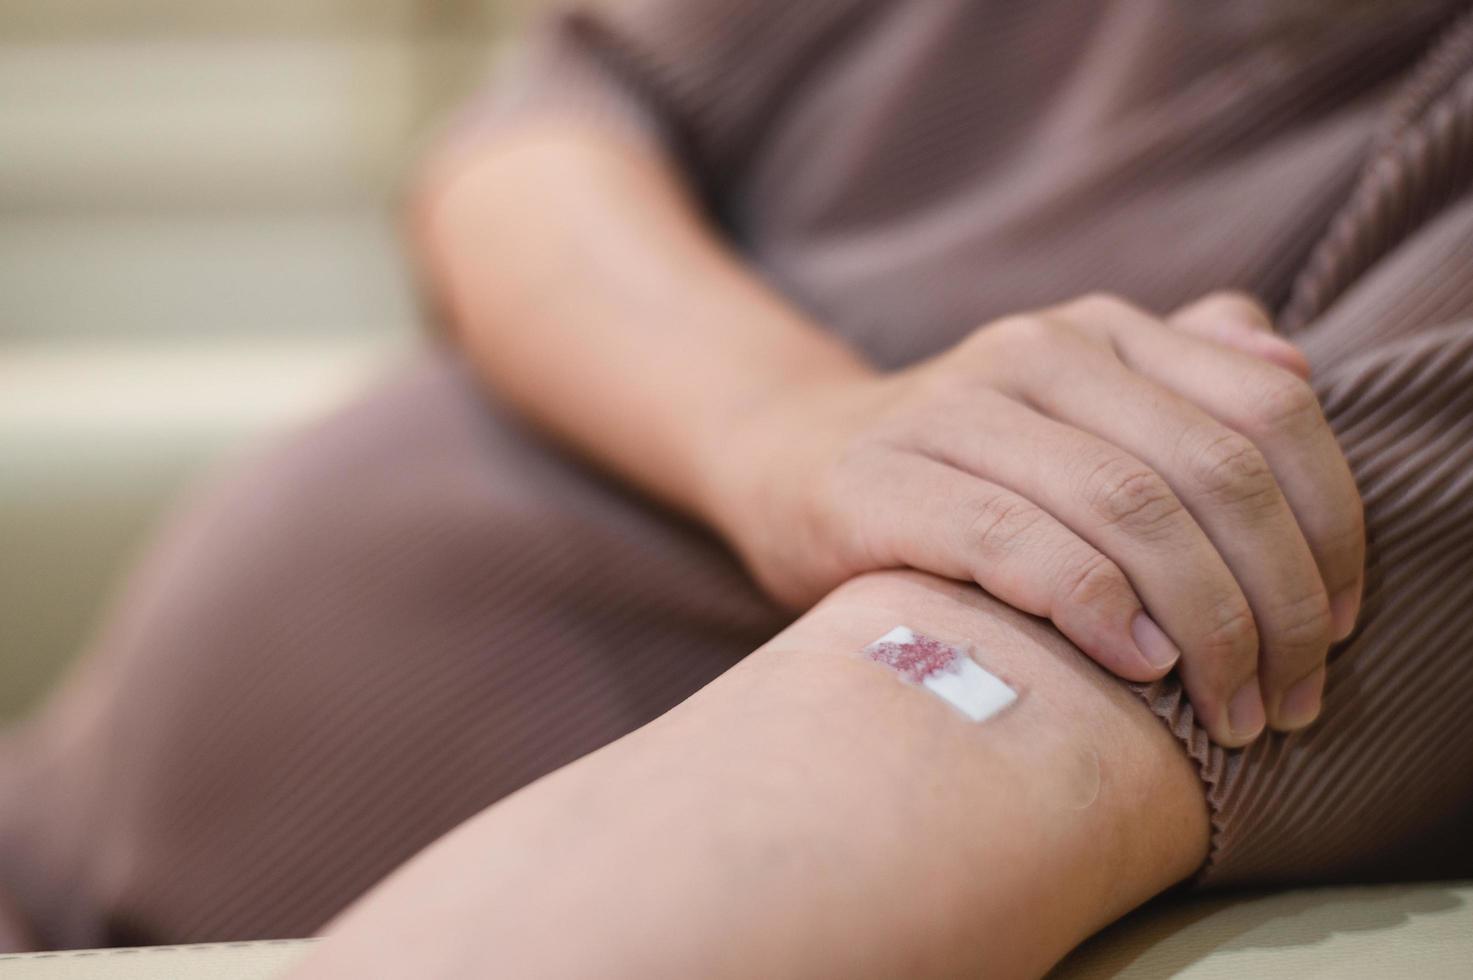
(1344, 609)
(1245, 712)
(1301, 703)
(1155, 646)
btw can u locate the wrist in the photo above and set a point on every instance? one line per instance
(763, 470)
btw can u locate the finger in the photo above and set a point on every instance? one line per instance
(930, 516)
(1122, 508)
(1238, 321)
(1225, 484)
(1281, 415)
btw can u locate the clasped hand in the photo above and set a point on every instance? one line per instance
(1167, 492)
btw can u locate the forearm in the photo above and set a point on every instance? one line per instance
(591, 293)
(810, 814)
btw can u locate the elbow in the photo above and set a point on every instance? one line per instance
(428, 217)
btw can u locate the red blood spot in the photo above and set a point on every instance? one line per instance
(914, 660)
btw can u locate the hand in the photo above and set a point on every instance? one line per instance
(1167, 493)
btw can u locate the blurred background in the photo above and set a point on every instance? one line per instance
(197, 248)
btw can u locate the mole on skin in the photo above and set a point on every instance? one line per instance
(944, 670)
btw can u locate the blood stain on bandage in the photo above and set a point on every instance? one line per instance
(944, 670)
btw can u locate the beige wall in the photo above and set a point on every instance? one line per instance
(196, 251)
(242, 148)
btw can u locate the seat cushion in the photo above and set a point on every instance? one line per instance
(1423, 931)
(205, 961)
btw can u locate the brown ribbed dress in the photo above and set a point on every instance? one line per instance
(313, 674)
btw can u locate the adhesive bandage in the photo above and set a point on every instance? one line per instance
(944, 670)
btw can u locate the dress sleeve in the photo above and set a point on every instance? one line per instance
(695, 80)
(1377, 786)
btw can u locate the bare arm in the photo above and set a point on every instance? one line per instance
(809, 814)
(588, 289)
(1162, 492)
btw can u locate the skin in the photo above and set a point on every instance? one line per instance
(1166, 491)
(811, 814)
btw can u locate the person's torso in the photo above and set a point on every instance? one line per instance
(946, 163)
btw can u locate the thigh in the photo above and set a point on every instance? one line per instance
(340, 650)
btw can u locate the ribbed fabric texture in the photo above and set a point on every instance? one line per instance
(1383, 785)
(417, 607)
(342, 651)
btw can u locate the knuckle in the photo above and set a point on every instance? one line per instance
(1302, 626)
(939, 389)
(1026, 331)
(999, 523)
(915, 413)
(1285, 402)
(1129, 496)
(1097, 305)
(1233, 633)
(977, 343)
(1235, 305)
(1229, 467)
(1093, 580)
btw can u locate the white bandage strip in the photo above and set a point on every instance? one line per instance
(943, 670)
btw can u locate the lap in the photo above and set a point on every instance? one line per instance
(342, 647)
